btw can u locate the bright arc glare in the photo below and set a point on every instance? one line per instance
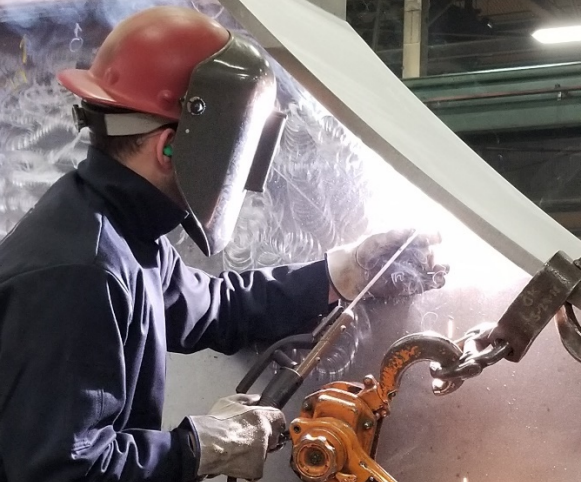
(558, 34)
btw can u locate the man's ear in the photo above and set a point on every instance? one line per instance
(164, 150)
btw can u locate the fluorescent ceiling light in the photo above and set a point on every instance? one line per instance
(558, 34)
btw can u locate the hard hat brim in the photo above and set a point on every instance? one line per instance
(83, 84)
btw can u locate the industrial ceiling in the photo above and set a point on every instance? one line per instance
(466, 35)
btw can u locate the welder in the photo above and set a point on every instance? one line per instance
(93, 295)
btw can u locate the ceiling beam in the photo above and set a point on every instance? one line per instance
(489, 49)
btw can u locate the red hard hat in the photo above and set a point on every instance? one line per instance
(146, 62)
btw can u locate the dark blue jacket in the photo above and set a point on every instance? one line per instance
(92, 296)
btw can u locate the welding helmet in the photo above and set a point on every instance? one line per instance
(173, 65)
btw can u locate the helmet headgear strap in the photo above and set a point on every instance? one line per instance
(115, 122)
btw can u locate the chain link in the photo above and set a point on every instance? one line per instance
(473, 360)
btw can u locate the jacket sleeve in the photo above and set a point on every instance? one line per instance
(231, 311)
(62, 385)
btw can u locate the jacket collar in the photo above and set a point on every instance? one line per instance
(136, 204)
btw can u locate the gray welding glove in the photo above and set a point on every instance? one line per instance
(352, 266)
(236, 436)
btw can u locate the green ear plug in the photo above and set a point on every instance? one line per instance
(167, 151)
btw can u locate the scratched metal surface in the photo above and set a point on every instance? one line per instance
(515, 423)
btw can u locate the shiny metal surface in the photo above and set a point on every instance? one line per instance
(513, 423)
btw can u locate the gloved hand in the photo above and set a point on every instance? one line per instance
(352, 266)
(236, 436)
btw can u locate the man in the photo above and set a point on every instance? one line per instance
(92, 294)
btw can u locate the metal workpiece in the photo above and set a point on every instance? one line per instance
(536, 305)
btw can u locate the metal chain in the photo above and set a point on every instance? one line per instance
(473, 360)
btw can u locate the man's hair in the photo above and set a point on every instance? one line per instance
(118, 147)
